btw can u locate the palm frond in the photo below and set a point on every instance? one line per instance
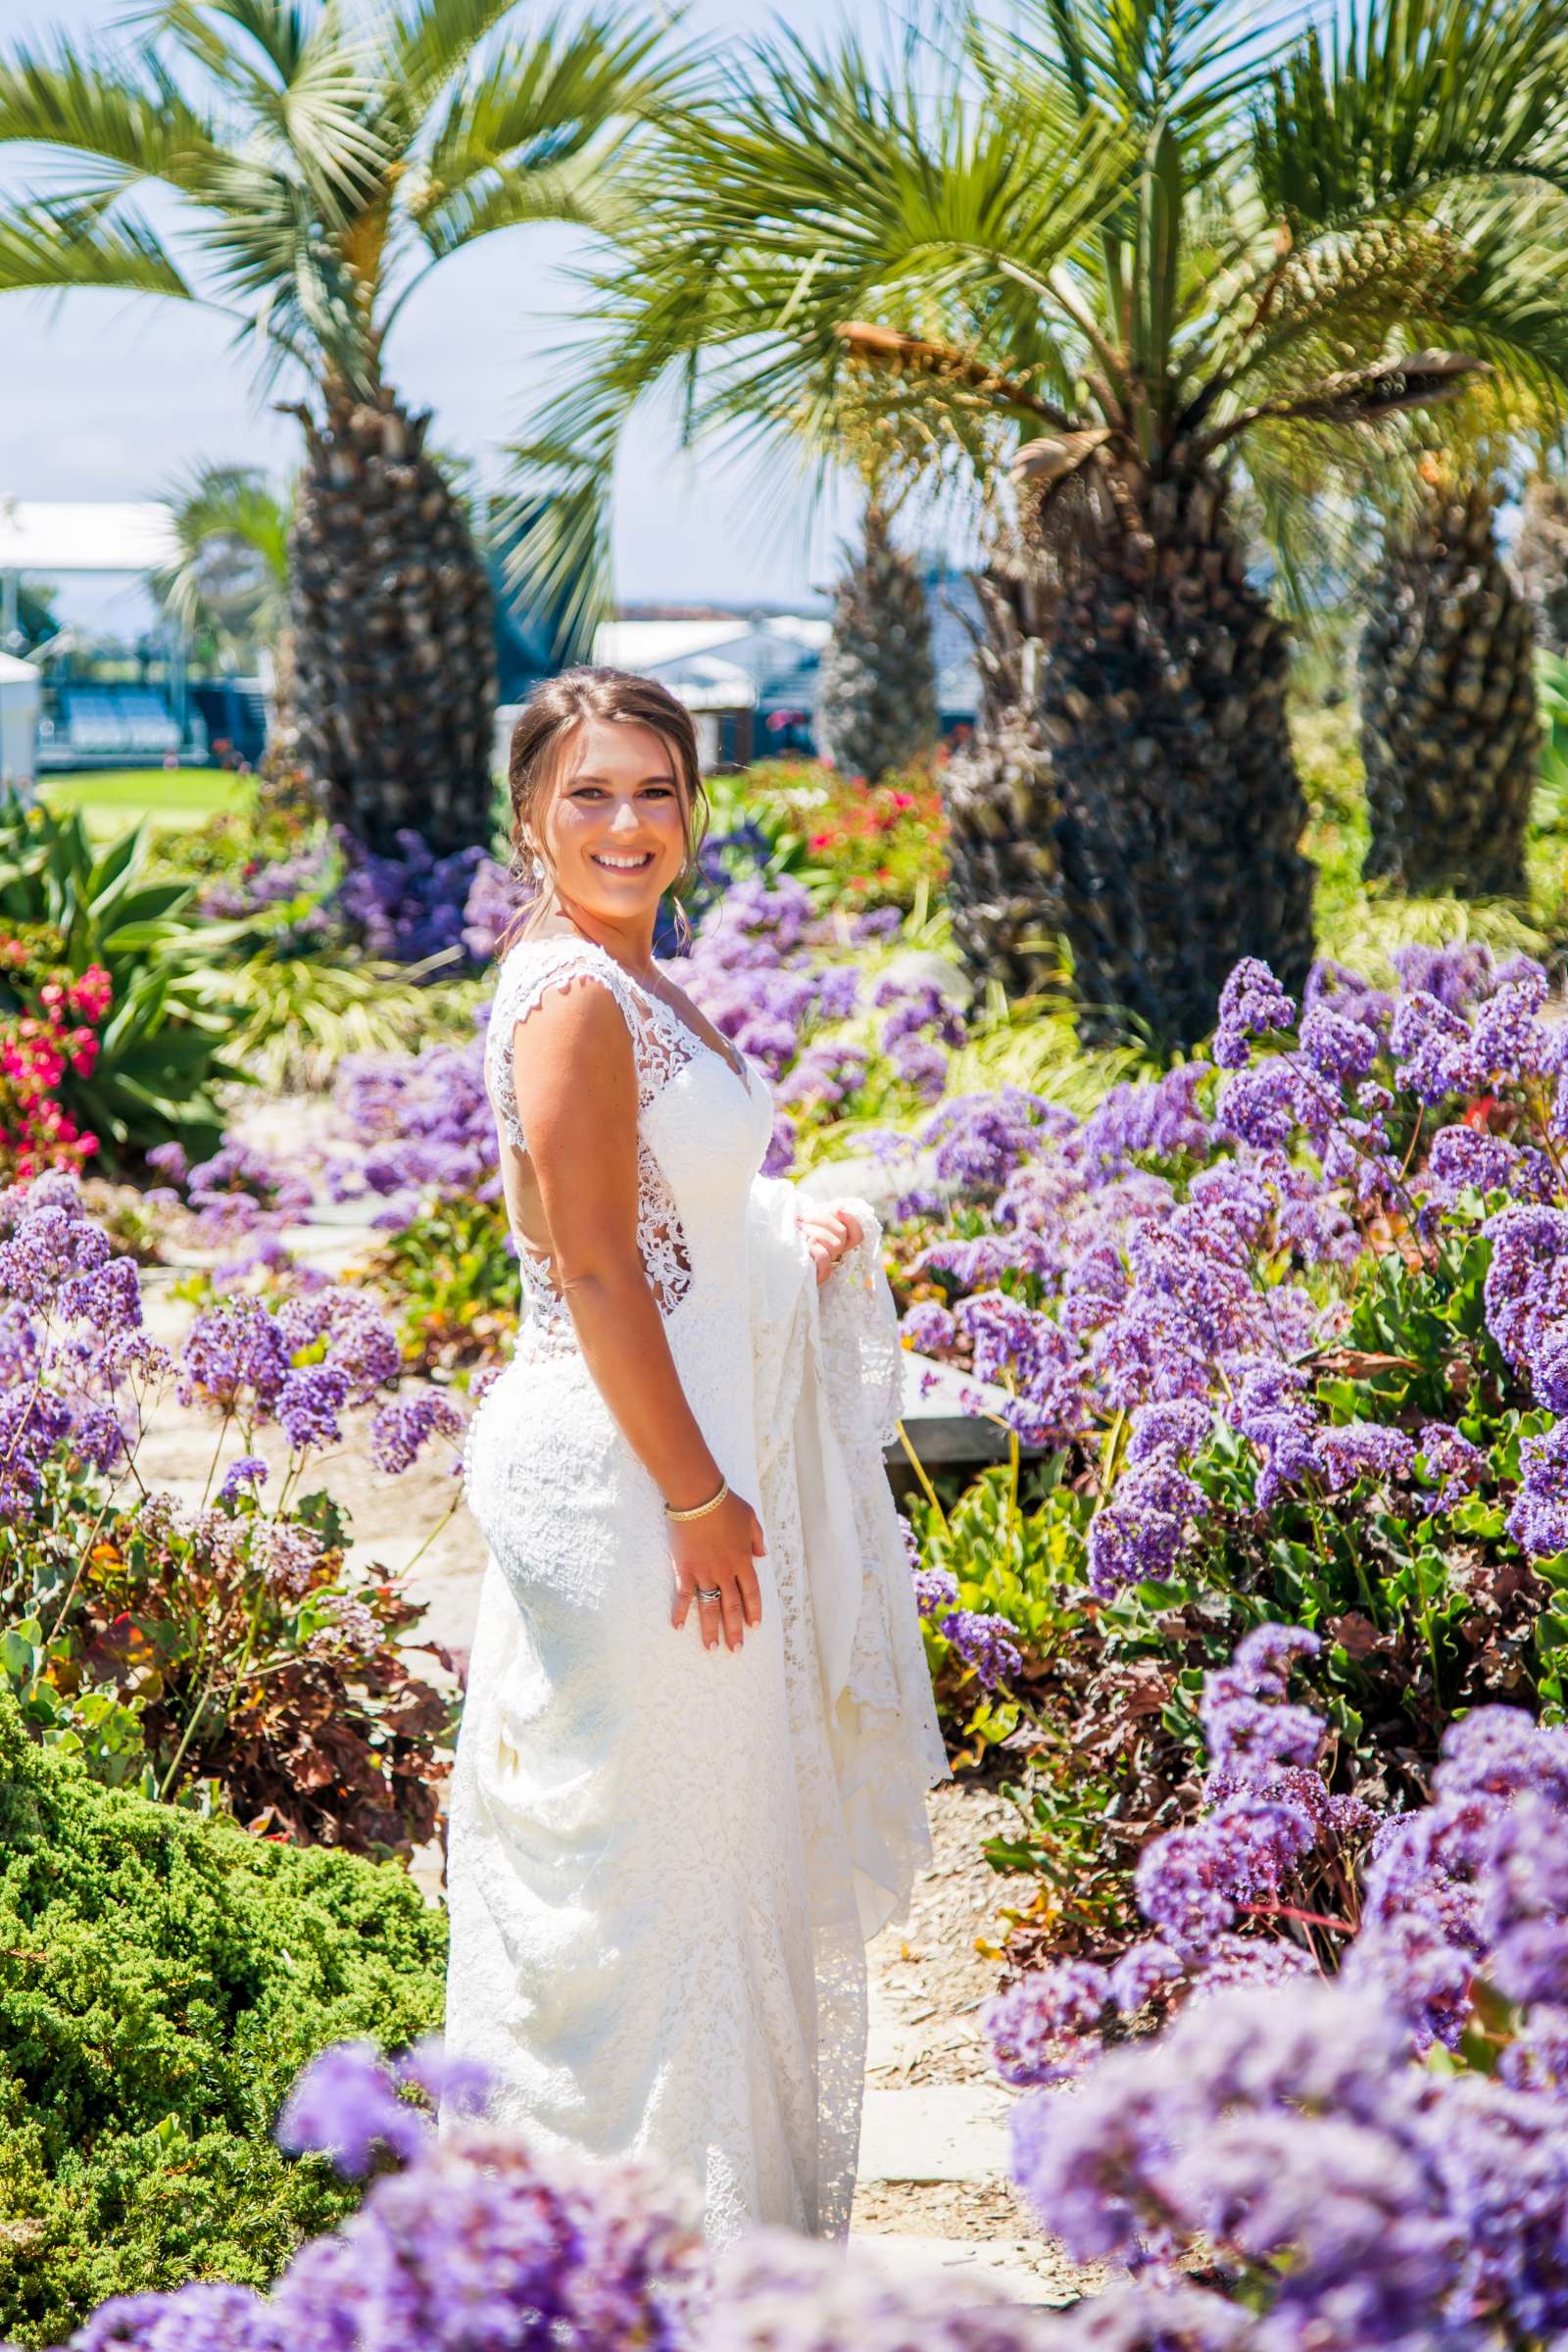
(1424, 379)
(1148, 63)
(541, 104)
(232, 574)
(807, 200)
(553, 522)
(575, 191)
(61, 245)
(85, 103)
(269, 254)
(1395, 103)
(816, 197)
(426, 42)
(281, 31)
(311, 94)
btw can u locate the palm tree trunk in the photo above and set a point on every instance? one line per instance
(393, 623)
(1541, 559)
(999, 799)
(1180, 811)
(1450, 732)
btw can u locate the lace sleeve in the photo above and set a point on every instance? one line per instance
(532, 970)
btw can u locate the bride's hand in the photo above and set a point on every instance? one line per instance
(714, 1553)
(828, 1231)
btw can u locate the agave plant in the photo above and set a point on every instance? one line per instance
(328, 159)
(1111, 263)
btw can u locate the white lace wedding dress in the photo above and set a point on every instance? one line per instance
(663, 1860)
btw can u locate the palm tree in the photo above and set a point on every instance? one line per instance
(1004, 876)
(327, 163)
(1113, 265)
(229, 578)
(876, 703)
(1450, 730)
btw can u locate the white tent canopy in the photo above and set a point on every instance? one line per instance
(60, 538)
(86, 535)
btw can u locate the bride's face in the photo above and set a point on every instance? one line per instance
(614, 831)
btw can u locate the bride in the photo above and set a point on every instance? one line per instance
(698, 1725)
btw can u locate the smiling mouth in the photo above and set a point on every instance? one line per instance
(623, 865)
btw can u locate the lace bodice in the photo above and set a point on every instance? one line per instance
(664, 1047)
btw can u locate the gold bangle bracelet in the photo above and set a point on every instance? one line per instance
(702, 1508)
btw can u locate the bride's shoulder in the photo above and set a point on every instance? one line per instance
(545, 951)
(543, 962)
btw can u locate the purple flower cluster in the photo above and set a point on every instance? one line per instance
(474, 2245)
(979, 1141)
(1475, 1885)
(400, 1430)
(1291, 2136)
(1149, 1254)
(1268, 1812)
(1139, 1532)
(417, 906)
(296, 890)
(1349, 2196)
(1346, 2192)
(74, 1360)
(1251, 1005)
(347, 2103)
(1268, 1817)
(755, 969)
(425, 1119)
(302, 1364)
(981, 1640)
(239, 1199)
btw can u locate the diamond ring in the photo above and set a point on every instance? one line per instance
(709, 1592)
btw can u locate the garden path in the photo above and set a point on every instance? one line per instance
(933, 2193)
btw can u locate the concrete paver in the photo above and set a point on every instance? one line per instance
(935, 2131)
(1000, 2267)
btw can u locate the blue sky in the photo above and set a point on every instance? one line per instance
(105, 397)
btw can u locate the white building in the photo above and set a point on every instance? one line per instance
(20, 696)
(727, 670)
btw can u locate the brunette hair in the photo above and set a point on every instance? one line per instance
(540, 742)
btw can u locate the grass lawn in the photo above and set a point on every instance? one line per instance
(113, 799)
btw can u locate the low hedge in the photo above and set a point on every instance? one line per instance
(162, 1979)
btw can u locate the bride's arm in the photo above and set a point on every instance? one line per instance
(576, 1089)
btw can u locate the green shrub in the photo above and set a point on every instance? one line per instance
(161, 1981)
